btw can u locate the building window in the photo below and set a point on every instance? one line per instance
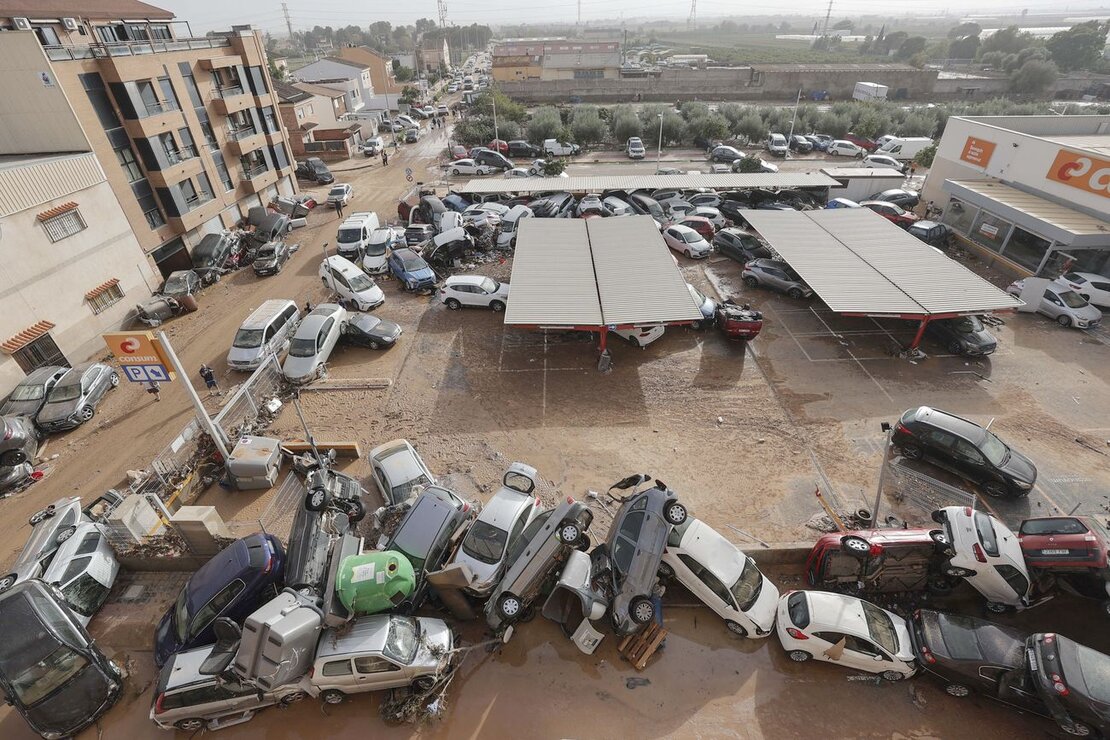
(127, 161)
(145, 196)
(308, 109)
(106, 295)
(300, 113)
(960, 216)
(221, 170)
(589, 74)
(64, 225)
(39, 353)
(990, 231)
(1026, 248)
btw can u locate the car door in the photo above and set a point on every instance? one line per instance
(326, 339)
(467, 295)
(970, 461)
(862, 653)
(708, 588)
(938, 444)
(90, 388)
(373, 672)
(1099, 293)
(1051, 305)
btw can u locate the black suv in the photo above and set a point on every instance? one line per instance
(315, 170)
(739, 245)
(966, 449)
(523, 149)
(492, 159)
(963, 335)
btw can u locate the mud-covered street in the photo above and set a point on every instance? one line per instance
(744, 434)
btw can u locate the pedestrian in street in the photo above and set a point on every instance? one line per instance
(153, 388)
(339, 209)
(307, 307)
(210, 379)
(913, 169)
(385, 158)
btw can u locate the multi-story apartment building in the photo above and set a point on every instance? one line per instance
(186, 129)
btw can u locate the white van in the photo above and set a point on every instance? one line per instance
(507, 237)
(376, 254)
(351, 284)
(265, 332)
(354, 234)
(904, 148)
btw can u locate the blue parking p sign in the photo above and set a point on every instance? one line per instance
(146, 373)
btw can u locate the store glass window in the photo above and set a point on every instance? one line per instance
(1026, 248)
(990, 231)
(959, 215)
(1090, 260)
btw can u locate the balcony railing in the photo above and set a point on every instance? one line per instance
(197, 201)
(154, 109)
(227, 91)
(235, 134)
(253, 172)
(132, 48)
(181, 155)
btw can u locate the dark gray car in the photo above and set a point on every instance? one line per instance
(332, 507)
(739, 245)
(181, 283)
(210, 255)
(962, 335)
(18, 440)
(778, 275)
(270, 258)
(634, 549)
(73, 400)
(29, 396)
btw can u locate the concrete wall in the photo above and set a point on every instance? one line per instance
(31, 92)
(44, 280)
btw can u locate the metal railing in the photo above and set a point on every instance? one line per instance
(227, 91)
(254, 172)
(162, 106)
(241, 412)
(131, 48)
(183, 154)
(198, 200)
(235, 134)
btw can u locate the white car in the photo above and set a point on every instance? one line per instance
(1062, 304)
(340, 192)
(442, 110)
(842, 148)
(712, 214)
(467, 167)
(485, 214)
(398, 470)
(84, 569)
(635, 148)
(882, 161)
(373, 146)
(313, 343)
(474, 290)
(497, 527)
(517, 172)
(374, 260)
(724, 578)
(452, 88)
(640, 336)
(352, 286)
(614, 206)
(1093, 288)
(687, 241)
(988, 555)
(407, 122)
(845, 630)
(776, 144)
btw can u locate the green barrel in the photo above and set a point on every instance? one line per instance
(374, 581)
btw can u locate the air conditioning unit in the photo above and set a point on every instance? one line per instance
(70, 24)
(21, 24)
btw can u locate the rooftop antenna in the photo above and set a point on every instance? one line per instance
(828, 15)
(694, 14)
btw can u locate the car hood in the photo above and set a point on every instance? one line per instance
(387, 329)
(56, 411)
(485, 574)
(165, 640)
(436, 639)
(1088, 312)
(1021, 467)
(372, 263)
(84, 698)
(763, 610)
(20, 408)
(372, 295)
(424, 273)
(300, 369)
(244, 354)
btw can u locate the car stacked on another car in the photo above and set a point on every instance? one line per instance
(988, 555)
(29, 396)
(313, 343)
(74, 398)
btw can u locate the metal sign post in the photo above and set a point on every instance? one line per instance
(218, 437)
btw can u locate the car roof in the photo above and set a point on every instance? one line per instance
(67, 551)
(836, 611)
(465, 280)
(399, 461)
(220, 570)
(949, 422)
(311, 324)
(504, 507)
(40, 375)
(183, 669)
(716, 553)
(364, 635)
(681, 229)
(74, 374)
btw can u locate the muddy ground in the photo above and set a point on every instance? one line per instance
(744, 434)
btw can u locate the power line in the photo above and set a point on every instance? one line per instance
(288, 20)
(693, 14)
(828, 15)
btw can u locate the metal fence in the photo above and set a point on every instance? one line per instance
(920, 491)
(242, 410)
(277, 519)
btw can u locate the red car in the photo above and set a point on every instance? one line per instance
(1064, 543)
(500, 145)
(457, 152)
(881, 561)
(891, 212)
(700, 224)
(861, 141)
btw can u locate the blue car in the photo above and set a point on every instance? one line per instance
(455, 202)
(232, 584)
(411, 269)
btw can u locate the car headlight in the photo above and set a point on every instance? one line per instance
(1023, 485)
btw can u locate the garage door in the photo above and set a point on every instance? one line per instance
(285, 186)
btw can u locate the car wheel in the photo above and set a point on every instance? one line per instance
(455, 172)
(114, 380)
(696, 325)
(510, 606)
(675, 513)
(64, 534)
(373, 344)
(995, 489)
(957, 689)
(736, 628)
(665, 571)
(356, 512)
(1106, 608)
(957, 572)
(13, 458)
(453, 304)
(316, 499)
(423, 684)
(996, 608)
(497, 306)
(956, 348)
(799, 656)
(85, 413)
(940, 539)
(331, 696)
(751, 282)
(41, 514)
(293, 698)
(1078, 729)
(569, 533)
(634, 341)
(911, 452)
(795, 293)
(641, 610)
(688, 255)
(1063, 320)
(7, 582)
(528, 614)
(939, 586)
(892, 676)
(189, 725)
(583, 543)
(855, 546)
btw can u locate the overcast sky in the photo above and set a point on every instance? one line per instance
(206, 15)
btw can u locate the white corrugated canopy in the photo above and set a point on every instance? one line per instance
(859, 262)
(600, 183)
(553, 281)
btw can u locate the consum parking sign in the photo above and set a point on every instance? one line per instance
(140, 355)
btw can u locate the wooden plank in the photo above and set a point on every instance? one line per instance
(342, 449)
(638, 648)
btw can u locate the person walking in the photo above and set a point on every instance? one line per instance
(339, 209)
(210, 379)
(153, 388)
(385, 158)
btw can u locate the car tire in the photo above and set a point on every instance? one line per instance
(583, 543)
(751, 282)
(954, 571)
(8, 581)
(12, 458)
(528, 614)
(939, 586)
(570, 533)
(497, 306)
(1078, 729)
(113, 379)
(958, 690)
(41, 514)
(696, 325)
(1064, 321)
(940, 539)
(290, 699)
(332, 696)
(995, 489)
(453, 304)
(892, 676)
(995, 607)
(455, 172)
(509, 606)
(795, 293)
(373, 344)
(193, 724)
(855, 546)
(424, 684)
(912, 452)
(799, 656)
(64, 534)
(641, 610)
(1106, 608)
(316, 499)
(356, 512)
(675, 513)
(634, 342)
(736, 628)
(86, 413)
(956, 348)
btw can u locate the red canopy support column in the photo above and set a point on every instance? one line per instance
(917, 337)
(604, 338)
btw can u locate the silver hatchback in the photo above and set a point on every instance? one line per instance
(73, 400)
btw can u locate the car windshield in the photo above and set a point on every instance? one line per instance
(748, 585)
(402, 491)
(377, 248)
(967, 324)
(994, 448)
(690, 236)
(880, 626)
(349, 236)
(1075, 277)
(485, 542)
(302, 347)
(1072, 299)
(176, 284)
(413, 264)
(267, 253)
(181, 615)
(34, 681)
(359, 282)
(27, 393)
(403, 639)
(85, 594)
(67, 392)
(490, 285)
(337, 191)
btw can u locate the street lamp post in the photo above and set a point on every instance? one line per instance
(659, 144)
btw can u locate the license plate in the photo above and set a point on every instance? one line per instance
(1032, 659)
(1054, 552)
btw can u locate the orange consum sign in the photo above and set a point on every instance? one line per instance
(139, 349)
(1081, 171)
(977, 151)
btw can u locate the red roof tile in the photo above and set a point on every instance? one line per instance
(101, 288)
(25, 337)
(57, 211)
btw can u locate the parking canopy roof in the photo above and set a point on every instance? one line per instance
(601, 183)
(860, 263)
(595, 272)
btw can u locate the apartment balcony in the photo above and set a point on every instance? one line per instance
(184, 164)
(257, 179)
(201, 208)
(241, 141)
(222, 62)
(160, 118)
(230, 99)
(66, 52)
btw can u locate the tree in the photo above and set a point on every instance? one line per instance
(917, 124)
(507, 108)
(965, 47)
(473, 130)
(1008, 40)
(1079, 47)
(912, 45)
(1034, 77)
(587, 126)
(409, 94)
(924, 158)
(625, 125)
(545, 124)
(964, 30)
(554, 167)
(751, 128)
(712, 127)
(276, 72)
(748, 165)
(402, 74)
(692, 110)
